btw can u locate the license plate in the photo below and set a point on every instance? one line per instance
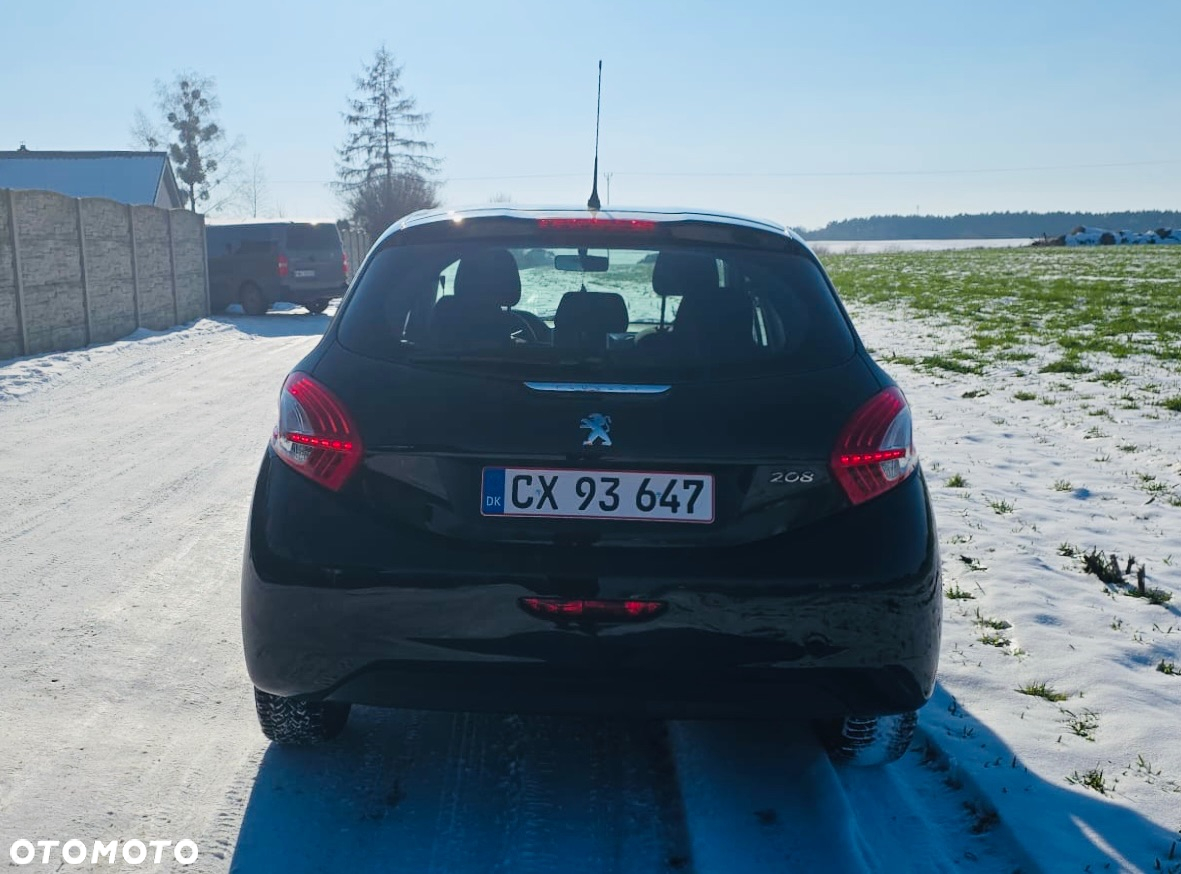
(304, 274)
(597, 494)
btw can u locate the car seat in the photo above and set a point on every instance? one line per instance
(711, 321)
(487, 284)
(585, 318)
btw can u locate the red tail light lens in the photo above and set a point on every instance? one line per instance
(875, 450)
(564, 608)
(595, 224)
(282, 266)
(315, 434)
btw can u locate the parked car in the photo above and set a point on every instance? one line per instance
(656, 473)
(257, 264)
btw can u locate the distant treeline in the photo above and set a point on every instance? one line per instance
(993, 225)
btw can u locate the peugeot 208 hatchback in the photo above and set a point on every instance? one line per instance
(606, 461)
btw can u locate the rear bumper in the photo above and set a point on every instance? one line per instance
(309, 294)
(840, 617)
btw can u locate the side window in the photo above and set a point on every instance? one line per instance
(447, 279)
(256, 239)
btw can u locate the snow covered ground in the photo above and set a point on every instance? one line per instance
(1054, 465)
(869, 246)
(126, 472)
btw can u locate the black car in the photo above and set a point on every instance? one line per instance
(610, 462)
(257, 264)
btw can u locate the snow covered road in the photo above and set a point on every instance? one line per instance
(126, 472)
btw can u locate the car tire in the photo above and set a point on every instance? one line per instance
(316, 306)
(870, 741)
(254, 302)
(299, 723)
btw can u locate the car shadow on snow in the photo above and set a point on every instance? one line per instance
(418, 791)
(1057, 826)
(283, 320)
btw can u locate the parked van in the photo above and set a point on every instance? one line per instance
(257, 264)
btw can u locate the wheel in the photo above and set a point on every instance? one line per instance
(299, 723)
(316, 306)
(870, 741)
(254, 302)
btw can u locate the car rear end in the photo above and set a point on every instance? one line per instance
(312, 264)
(630, 463)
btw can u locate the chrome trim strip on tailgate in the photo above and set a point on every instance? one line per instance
(599, 388)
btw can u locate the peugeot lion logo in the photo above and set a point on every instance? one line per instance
(598, 425)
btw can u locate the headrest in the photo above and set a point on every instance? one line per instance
(684, 273)
(718, 310)
(489, 275)
(596, 313)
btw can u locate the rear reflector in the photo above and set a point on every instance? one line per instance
(315, 435)
(595, 224)
(563, 608)
(875, 450)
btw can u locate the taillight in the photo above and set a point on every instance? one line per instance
(875, 450)
(344, 262)
(315, 434)
(282, 266)
(580, 608)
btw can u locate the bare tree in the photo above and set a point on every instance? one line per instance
(255, 190)
(206, 164)
(146, 133)
(382, 202)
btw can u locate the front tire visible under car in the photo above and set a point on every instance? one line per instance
(316, 306)
(869, 741)
(299, 723)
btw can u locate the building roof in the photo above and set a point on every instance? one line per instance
(126, 177)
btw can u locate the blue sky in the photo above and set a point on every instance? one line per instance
(801, 113)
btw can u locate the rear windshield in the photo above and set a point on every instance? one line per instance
(595, 313)
(313, 237)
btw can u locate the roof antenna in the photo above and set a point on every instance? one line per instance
(593, 202)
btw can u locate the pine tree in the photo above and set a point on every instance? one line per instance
(383, 170)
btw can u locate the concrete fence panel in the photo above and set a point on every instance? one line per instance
(188, 258)
(11, 340)
(153, 268)
(52, 295)
(107, 237)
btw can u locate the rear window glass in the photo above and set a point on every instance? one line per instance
(593, 313)
(312, 237)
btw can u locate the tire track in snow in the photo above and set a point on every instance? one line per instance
(464, 793)
(127, 478)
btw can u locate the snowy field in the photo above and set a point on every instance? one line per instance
(127, 471)
(848, 247)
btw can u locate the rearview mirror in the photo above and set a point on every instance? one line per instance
(582, 263)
